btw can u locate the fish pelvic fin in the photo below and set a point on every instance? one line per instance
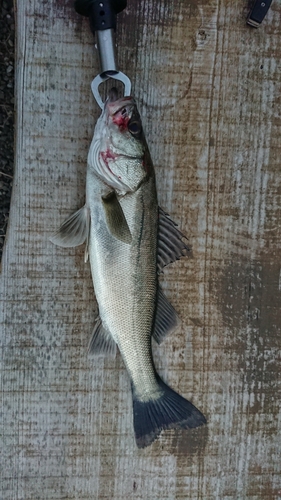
(74, 230)
(101, 342)
(168, 411)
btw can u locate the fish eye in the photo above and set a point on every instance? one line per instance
(135, 127)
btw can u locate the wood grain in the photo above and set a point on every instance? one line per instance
(209, 91)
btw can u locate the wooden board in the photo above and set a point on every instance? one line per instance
(209, 91)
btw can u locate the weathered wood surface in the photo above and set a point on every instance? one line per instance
(209, 92)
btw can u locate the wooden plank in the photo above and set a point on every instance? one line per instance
(208, 89)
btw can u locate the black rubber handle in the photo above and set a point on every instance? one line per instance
(258, 12)
(102, 13)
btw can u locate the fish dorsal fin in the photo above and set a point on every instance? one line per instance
(101, 342)
(171, 247)
(74, 230)
(115, 218)
(166, 318)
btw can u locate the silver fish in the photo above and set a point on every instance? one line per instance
(129, 239)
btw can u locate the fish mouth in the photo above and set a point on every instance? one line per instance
(115, 104)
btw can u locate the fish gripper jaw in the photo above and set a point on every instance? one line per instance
(103, 15)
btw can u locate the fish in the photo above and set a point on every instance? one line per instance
(129, 240)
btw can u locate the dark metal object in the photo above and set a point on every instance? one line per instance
(84, 7)
(102, 13)
(258, 12)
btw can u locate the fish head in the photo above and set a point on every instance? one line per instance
(120, 156)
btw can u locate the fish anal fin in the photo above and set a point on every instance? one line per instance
(171, 246)
(101, 342)
(115, 218)
(74, 230)
(166, 318)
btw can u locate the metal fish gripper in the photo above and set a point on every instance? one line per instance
(103, 17)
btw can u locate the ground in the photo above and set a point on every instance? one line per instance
(7, 29)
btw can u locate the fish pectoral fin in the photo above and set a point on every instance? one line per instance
(171, 246)
(101, 342)
(115, 218)
(166, 318)
(74, 230)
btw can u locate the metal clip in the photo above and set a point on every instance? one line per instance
(102, 78)
(258, 12)
(108, 64)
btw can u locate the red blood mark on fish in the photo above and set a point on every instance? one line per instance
(121, 121)
(109, 155)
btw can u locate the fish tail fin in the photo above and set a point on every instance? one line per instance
(168, 411)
